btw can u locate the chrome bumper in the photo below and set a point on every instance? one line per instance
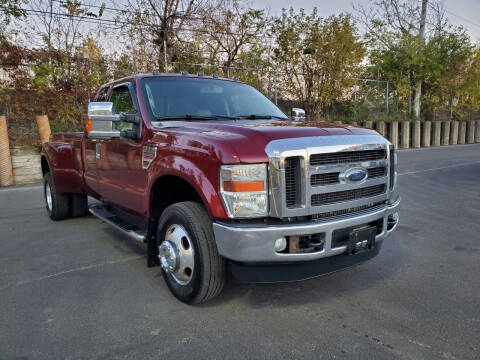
(255, 243)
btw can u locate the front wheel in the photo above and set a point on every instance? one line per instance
(191, 265)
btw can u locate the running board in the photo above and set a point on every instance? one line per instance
(102, 212)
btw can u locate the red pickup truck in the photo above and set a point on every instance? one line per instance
(211, 175)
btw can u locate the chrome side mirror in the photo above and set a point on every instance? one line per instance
(101, 119)
(297, 114)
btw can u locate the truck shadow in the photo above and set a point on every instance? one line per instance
(123, 243)
(318, 290)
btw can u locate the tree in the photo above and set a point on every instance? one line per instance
(395, 34)
(230, 28)
(159, 23)
(256, 65)
(319, 59)
(446, 68)
(9, 9)
(469, 91)
(423, 60)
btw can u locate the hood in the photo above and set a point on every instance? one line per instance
(247, 139)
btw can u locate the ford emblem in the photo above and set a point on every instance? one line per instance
(355, 175)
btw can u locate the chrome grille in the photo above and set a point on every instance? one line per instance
(344, 211)
(347, 157)
(333, 178)
(307, 176)
(292, 169)
(324, 179)
(377, 172)
(347, 195)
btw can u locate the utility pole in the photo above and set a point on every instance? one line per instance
(421, 36)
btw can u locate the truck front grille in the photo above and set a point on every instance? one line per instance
(292, 180)
(347, 157)
(304, 180)
(333, 178)
(345, 211)
(347, 195)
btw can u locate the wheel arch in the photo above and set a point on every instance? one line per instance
(45, 165)
(169, 189)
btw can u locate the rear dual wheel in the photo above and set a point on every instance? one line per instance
(192, 268)
(61, 205)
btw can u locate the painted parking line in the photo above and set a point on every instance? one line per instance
(21, 188)
(77, 269)
(438, 168)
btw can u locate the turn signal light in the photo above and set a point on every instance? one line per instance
(243, 186)
(89, 125)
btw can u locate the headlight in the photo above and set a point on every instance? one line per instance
(244, 190)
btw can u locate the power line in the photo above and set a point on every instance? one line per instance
(463, 18)
(134, 12)
(119, 22)
(456, 15)
(105, 7)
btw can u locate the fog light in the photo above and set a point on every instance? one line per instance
(280, 244)
(392, 221)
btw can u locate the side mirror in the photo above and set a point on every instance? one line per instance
(297, 114)
(101, 119)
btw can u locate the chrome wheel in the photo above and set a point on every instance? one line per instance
(48, 196)
(177, 255)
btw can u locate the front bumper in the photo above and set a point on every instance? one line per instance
(254, 260)
(249, 243)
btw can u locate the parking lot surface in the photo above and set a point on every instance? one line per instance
(78, 289)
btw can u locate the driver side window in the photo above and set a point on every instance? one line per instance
(122, 103)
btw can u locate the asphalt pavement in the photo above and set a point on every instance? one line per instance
(78, 289)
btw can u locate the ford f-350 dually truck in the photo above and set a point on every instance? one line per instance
(211, 175)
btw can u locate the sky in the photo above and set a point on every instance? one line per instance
(459, 12)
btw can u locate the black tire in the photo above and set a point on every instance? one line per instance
(208, 276)
(59, 205)
(78, 205)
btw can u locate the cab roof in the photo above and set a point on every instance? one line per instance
(159, 74)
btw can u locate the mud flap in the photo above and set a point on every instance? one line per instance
(152, 246)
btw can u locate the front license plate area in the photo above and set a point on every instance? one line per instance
(361, 239)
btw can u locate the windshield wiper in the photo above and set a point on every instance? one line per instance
(227, 117)
(186, 117)
(255, 116)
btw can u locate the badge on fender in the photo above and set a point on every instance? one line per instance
(149, 154)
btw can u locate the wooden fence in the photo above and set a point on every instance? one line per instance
(416, 134)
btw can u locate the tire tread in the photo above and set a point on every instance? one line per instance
(214, 267)
(60, 201)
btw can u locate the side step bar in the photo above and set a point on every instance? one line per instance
(102, 212)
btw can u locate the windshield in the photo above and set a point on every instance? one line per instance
(169, 97)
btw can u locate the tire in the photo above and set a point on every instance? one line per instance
(57, 204)
(78, 205)
(206, 280)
